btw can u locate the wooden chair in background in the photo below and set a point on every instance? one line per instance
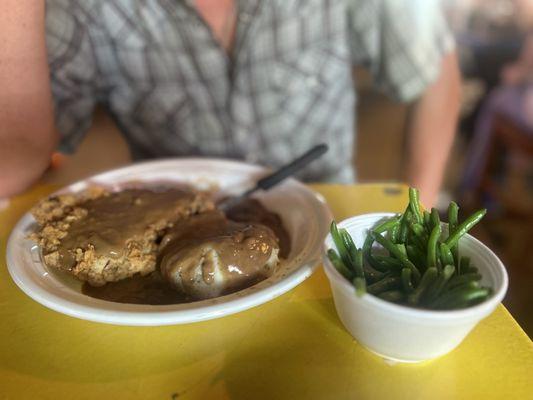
(508, 173)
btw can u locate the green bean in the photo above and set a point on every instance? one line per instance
(378, 265)
(394, 251)
(471, 283)
(387, 283)
(333, 256)
(470, 270)
(414, 204)
(427, 221)
(455, 255)
(460, 298)
(464, 263)
(416, 256)
(339, 243)
(419, 231)
(466, 267)
(367, 252)
(446, 255)
(350, 247)
(406, 281)
(427, 279)
(401, 247)
(439, 284)
(339, 265)
(473, 302)
(356, 256)
(375, 264)
(404, 229)
(453, 212)
(417, 241)
(367, 245)
(358, 264)
(464, 227)
(448, 271)
(402, 233)
(394, 296)
(389, 261)
(360, 286)
(432, 246)
(372, 275)
(387, 225)
(459, 280)
(435, 219)
(394, 233)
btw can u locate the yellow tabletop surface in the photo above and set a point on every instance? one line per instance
(293, 347)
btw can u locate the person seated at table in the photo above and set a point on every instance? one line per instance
(256, 80)
(512, 99)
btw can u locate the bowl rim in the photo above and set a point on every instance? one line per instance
(373, 301)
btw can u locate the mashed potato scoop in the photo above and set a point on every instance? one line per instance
(208, 255)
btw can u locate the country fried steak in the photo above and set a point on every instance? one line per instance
(101, 236)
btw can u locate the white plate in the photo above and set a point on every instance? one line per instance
(304, 213)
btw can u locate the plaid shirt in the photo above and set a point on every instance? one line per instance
(173, 91)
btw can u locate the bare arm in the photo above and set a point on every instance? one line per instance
(27, 132)
(432, 130)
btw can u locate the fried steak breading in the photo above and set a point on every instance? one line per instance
(101, 236)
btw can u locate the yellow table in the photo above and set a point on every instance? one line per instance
(293, 347)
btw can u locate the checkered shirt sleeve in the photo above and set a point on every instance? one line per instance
(402, 43)
(73, 71)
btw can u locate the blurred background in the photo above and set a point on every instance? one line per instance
(492, 162)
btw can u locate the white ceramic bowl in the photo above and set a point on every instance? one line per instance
(405, 334)
(304, 213)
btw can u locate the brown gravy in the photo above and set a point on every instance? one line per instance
(208, 254)
(111, 220)
(154, 290)
(251, 210)
(150, 289)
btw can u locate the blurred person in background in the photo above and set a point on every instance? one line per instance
(490, 35)
(255, 80)
(512, 99)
